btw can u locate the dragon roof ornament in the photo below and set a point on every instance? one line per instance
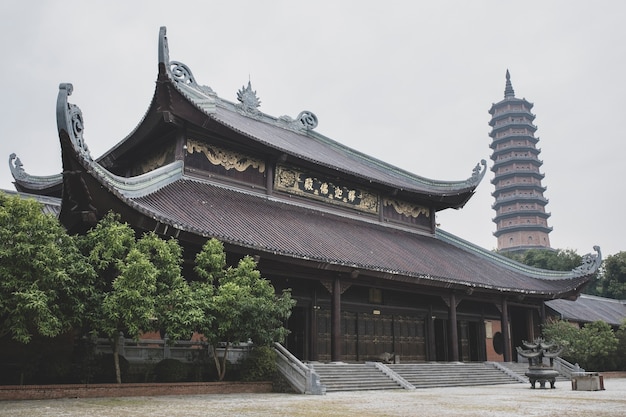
(477, 173)
(17, 167)
(590, 262)
(70, 119)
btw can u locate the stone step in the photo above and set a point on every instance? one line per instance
(425, 375)
(352, 377)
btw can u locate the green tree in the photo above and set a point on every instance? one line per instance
(140, 287)
(243, 306)
(44, 278)
(565, 334)
(621, 346)
(597, 346)
(593, 346)
(554, 260)
(612, 280)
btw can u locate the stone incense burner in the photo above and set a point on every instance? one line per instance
(538, 370)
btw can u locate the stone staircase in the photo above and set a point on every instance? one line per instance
(452, 374)
(520, 369)
(378, 376)
(353, 377)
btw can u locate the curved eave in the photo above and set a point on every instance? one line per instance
(516, 173)
(522, 227)
(137, 194)
(541, 201)
(524, 213)
(510, 138)
(572, 281)
(512, 113)
(276, 134)
(563, 283)
(49, 185)
(509, 100)
(518, 186)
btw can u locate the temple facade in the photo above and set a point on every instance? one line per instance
(353, 237)
(521, 219)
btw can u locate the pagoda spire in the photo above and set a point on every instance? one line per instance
(508, 90)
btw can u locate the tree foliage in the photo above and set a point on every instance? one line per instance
(554, 260)
(243, 306)
(112, 283)
(44, 278)
(612, 280)
(621, 346)
(593, 346)
(140, 287)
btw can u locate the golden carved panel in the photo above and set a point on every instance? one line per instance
(225, 158)
(407, 209)
(294, 181)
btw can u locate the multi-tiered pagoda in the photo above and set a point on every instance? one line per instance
(521, 218)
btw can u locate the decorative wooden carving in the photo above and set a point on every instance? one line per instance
(407, 209)
(328, 284)
(297, 182)
(225, 158)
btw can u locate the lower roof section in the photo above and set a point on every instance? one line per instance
(588, 308)
(266, 225)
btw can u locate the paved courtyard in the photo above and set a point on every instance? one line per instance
(484, 401)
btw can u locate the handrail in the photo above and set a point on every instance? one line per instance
(302, 378)
(565, 368)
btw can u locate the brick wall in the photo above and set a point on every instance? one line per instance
(38, 392)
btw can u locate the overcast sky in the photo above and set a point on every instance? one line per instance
(408, 82)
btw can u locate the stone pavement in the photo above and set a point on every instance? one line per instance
(484, 401)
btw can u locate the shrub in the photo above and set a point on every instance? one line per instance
(106, 370)
(260, 365)
(593, 346)
(170, 370)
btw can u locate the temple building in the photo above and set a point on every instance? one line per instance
(355, 238)
(521, 219)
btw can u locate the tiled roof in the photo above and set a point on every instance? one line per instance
(281, 135)
(292, 229)
(587, 309)
(264, 224)
(50, 205)
(324, 151)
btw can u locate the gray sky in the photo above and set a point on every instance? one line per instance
(409, 82)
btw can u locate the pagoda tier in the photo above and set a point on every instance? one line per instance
(521, 219)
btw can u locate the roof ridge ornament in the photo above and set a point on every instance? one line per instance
(590, 262)
(478, 172)
(182, 74)
(17, 167)
(248, 100)
(305, 121)
(70, 120)
(164, 53)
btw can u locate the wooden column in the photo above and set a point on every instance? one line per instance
(530, 322)
(313, 328)
(430, 330)
(505, 330)
(335, 322)
(454, 334)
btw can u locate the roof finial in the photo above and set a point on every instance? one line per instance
(508, 90)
